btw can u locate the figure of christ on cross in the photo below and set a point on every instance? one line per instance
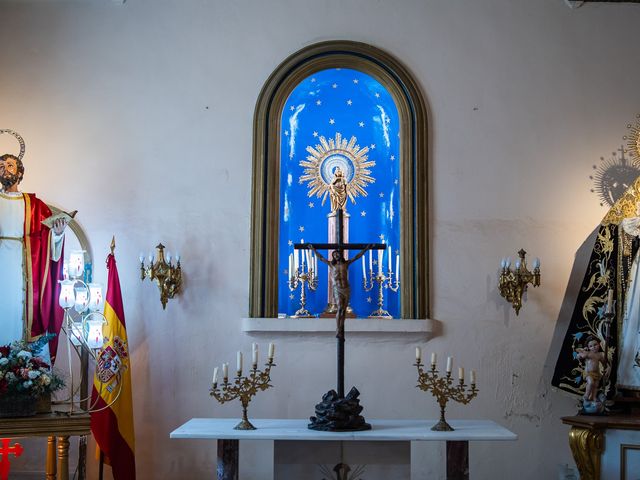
(339, 271)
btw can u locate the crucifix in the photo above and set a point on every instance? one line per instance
(338, 269)
(5, 450)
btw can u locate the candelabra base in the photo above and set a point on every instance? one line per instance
(442, 426)
(380, 313)
(244, 425)
(335, 414)
(303, 313)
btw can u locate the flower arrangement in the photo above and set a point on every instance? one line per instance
(24, 374)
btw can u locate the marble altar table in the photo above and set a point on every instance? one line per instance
(286, 430)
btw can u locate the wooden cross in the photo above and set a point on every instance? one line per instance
(5, 450)
(340, 247)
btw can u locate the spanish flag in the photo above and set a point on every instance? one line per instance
(111, 404)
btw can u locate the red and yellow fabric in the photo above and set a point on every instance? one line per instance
(43, 314)
(111, 396)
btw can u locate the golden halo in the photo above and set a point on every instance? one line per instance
(633, 139)
(325, 157)
(19, 138)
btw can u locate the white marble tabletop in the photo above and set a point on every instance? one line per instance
(383, 430)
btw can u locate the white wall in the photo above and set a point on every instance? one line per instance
(153, 101)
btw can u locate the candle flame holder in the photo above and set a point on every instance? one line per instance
(444, 389)
(513, 283)
(383, 281)
(306, 279)
(244, 388)
(164, 273)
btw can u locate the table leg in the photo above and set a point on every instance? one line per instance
(51, 458)
(458, 460)
(227, 467)
(63, 458)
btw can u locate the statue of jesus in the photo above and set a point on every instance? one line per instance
(29, 260)
(339, 272)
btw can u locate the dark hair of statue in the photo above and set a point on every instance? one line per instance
(19, 163)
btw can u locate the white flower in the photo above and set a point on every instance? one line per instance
(34, 374)
(10, 376)
(27, 383)
(45, 379)
(24, 354)
(4, 361)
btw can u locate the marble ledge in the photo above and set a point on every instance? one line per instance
(328, 325)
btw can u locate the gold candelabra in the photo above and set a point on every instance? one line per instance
(243, 387)
(444, 388)
(167, 276)
(305, 275)
(513, 283)
(389, 281)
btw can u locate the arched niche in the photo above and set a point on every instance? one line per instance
(414, 149)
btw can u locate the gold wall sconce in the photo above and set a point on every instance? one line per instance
(167, 276)
(513, 283)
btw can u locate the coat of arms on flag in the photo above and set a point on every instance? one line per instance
(108, 364)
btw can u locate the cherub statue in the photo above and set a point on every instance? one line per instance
(594, 358)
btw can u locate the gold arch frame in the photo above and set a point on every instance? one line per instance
(414, 153)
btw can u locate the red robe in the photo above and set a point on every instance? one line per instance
(43, 313)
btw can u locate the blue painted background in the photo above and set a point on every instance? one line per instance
(351, 103)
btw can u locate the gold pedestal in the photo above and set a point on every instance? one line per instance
(587, 446)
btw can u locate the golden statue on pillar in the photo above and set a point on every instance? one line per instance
(338, 169)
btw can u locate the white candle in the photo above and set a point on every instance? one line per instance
(239, 363)
(461, 373)
(307, 255)
(296, 260)
(449, 364)
(315, 263)
(370, 261)
(272, 349)
(433, 358)
(290, 265)
(364, 269)
(380, 254)
(389, 257)
(610, 301)
(472, 376)
(418, 354)
(225, 371)
(215, 376)
(397, 266)
(254, 354)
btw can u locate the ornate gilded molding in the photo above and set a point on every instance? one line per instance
(625, 207)
(587, 446)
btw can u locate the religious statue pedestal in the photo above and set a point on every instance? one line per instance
(335, 414)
